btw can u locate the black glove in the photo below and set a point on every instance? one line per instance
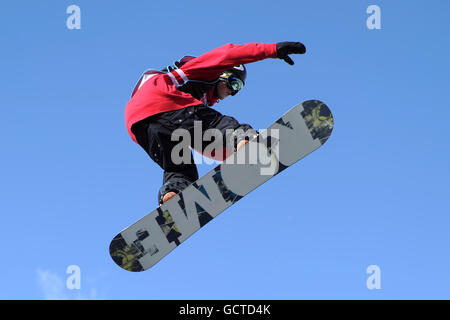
(287, 47)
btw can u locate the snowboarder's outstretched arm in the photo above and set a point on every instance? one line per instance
(210, 65)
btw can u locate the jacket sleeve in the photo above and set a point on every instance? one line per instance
(210, 65)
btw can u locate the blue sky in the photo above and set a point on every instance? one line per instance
(375, 194)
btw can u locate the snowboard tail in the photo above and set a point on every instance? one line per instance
(300, 131)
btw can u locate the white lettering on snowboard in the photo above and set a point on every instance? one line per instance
(294, 142)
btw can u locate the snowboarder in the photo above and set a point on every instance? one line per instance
(179, 95)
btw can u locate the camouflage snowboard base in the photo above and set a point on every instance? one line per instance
(297, 133)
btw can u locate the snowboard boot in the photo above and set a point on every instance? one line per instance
(168, 196)
(172, 188)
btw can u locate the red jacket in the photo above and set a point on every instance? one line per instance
(160, 93)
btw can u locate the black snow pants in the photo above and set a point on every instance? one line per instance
(154, 134)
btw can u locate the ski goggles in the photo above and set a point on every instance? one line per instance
(234, 84)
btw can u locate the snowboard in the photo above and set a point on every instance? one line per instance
(300, 131)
